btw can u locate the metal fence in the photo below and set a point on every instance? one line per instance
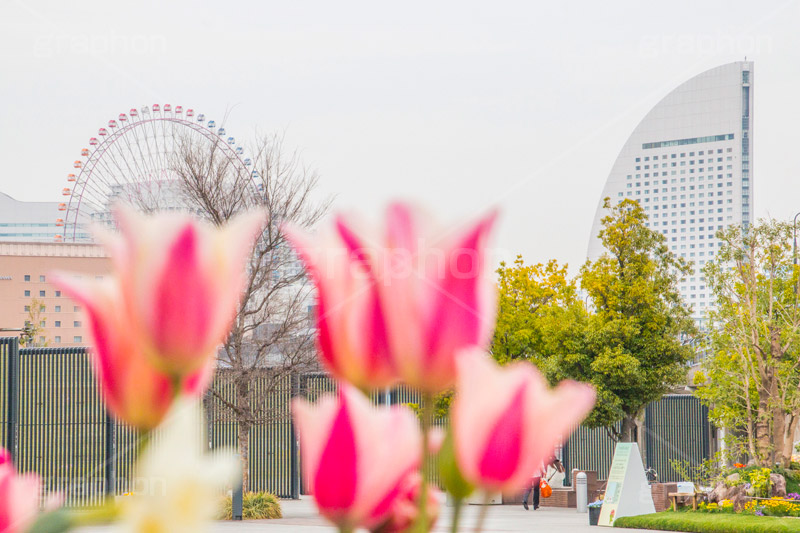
(675, 428)
(54, 422)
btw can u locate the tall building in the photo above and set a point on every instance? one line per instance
(26, 293)
(27, 221)
(33, 221)
(689, 164)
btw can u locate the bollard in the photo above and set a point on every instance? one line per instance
(236, 496)
(581, 492)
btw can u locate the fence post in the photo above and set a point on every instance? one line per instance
(110, 456)
(237, 495)
(295, 467)
(648, 440)
(12, 402)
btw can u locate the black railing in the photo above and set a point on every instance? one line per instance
(54, 422)
(676, 428)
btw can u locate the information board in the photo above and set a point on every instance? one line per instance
(627, 490)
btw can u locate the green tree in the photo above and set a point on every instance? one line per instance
(539, 312)
(753, 373)
(635, 344)
(33, 329)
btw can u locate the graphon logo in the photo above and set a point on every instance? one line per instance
(692, 44)
(55, 45)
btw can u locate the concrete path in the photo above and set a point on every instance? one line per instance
(300, 516)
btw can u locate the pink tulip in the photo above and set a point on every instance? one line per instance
(352, 338)
(156, 323)
(135, 391)
(19, 497)
(182, 280)
(506, 421)
(357, 456)
(405, 510)
(401, 305)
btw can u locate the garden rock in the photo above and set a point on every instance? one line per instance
(733, 479)
(719, 493)
(778, 483)
(737, 495)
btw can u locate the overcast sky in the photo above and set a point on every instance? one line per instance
(460, 105)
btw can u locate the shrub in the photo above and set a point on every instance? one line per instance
(255, 506)
(760, 481)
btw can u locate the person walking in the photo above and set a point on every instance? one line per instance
(536, 480)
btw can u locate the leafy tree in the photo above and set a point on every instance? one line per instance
(754, 370)
(33, 329)
(538, 312)
(634, 347)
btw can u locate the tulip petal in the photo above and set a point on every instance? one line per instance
(506, 421)
(19, 499)
(561, 410)
(401, 228)
(183, 303)
(352, 337)
(357, 455)
(501, 454)
(134, 391)
(373, 328)
(335, 481)
(457, 319)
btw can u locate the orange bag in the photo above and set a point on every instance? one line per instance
(545, 490)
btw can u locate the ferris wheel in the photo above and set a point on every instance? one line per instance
(133, 158)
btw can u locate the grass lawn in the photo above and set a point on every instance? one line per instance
(709, 522)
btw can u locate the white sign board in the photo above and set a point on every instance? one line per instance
(627, 490)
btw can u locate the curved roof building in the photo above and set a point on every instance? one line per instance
(689, 164)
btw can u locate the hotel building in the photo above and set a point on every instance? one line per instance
(689, 163)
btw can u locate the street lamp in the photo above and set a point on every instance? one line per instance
(794, 255)
(794, 240)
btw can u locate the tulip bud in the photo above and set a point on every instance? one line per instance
(357, 456)
(506, 421)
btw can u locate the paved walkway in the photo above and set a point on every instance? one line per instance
(300, 516)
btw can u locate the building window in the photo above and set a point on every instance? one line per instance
(27, 277)
(42, 294)
(77, 323)
(27, 293)
(58, 338)
(77, 339)
(76, 308)
(58, 294)
(41, 279)
(58, 323)
(27, 308)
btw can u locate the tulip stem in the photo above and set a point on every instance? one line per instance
(457, 503)
(482, 513)
(423, 525)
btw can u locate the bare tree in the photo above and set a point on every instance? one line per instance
(272, 336)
